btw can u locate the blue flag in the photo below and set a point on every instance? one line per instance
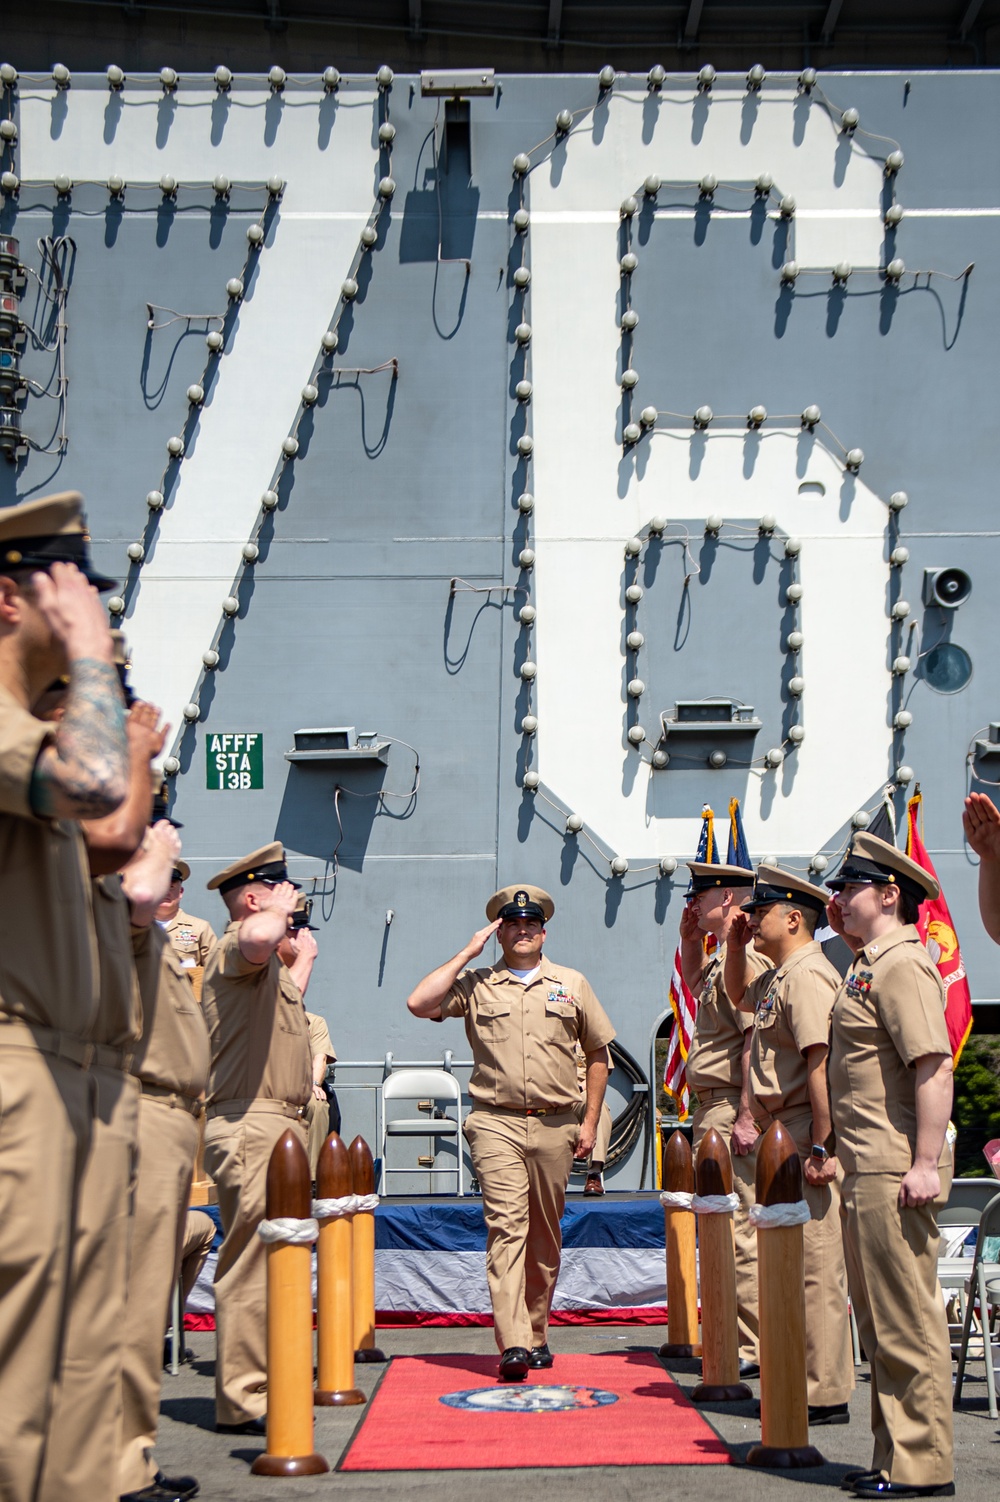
(708, 845)
(738, 854)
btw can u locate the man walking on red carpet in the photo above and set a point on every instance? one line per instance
(523, 1018)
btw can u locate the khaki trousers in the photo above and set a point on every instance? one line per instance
(81, 1459)
(317, 1119)
(721, 1114)
(199, 1233)
(523, 1165)
(892, 1256)
(237, 1153)
(168, 1141)
(46, 1113)
(829, 1357)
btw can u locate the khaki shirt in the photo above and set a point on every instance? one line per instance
(193, 938)
(320, 1041)
(523, 1037)
(889, 1012)
(119, 1017)
(257, 1026)
(792, 1005)
(173, 1052)
(48, 954)
(715, 1058)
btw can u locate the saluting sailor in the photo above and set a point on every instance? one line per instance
(523, 1016)
(791, 1004)
(891, 1093)
(718, 1064)
(259, 1083)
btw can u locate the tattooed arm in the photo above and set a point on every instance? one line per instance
(114, 840)
(84, 774)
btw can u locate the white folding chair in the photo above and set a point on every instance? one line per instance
(429, 1087)
(966, 1203)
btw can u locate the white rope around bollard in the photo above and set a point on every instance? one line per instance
(766, 1216)
(366, 1202)
(715, 1204)
(288, 1229)
(676, 1199)
(337, 1209)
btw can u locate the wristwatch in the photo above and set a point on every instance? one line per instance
(819, 1152)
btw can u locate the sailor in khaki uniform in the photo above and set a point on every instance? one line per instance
(718, 1064)
(523, 1017)
(193, 939)
(171, 1063)
(317, 1113)
(51, 623)
(891, 1092)
(791, 1005)
(259, 1083)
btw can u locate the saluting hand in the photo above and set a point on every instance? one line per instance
(981, 822)
(73, 611)
(690, 928)
(481, 938)
(740, 931)
(146, 737)
(163, 838)
(279, 899)
(303, 942)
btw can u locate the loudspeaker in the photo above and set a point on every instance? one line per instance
(946, 587)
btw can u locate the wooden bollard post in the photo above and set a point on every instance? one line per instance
(335, 1307)
(289, 1321)
(363, 1174)
(784, 1405)
(720, 1361)
(679, 1235)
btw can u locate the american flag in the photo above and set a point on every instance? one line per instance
(682, 1003)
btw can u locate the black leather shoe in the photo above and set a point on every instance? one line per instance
(541, 1355)
(748, 1370)
(153, 1493)
(514, 1364)
(249, 1426)
(876, 1487)
(849, 1478)
(829, 1413)
(184, 1486)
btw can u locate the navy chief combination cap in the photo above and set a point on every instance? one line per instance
(777, 885)
(874, 862)
(520, 902)
(266, 864)
(706, 875)
(37, 534)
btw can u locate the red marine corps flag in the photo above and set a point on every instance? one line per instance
(938, 933)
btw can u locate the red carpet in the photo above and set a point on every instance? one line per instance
(619, 1409)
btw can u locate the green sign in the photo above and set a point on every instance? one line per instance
(235, 762)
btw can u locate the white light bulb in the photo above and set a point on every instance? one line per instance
(900, 666)
(898, 500)
(896, 270)
(636, 688)
(521, 220)
(630, 379)
(634, 640)
(522, 276)
(523, 333)
(529, 724)
(786, 207)
(196, 395)
(349, 289)
(630, 321)
(648, 417)
(796, 686)
(633, 547)
(904, 774)
(574, 823)
(564, 121)
(234, 288)
(901, 610)
(668, 865)
(269, 500)
(793, 547)
(168, 185)
(191, 711)
(764, 184)
(706, 77)
(790, 271)
(255, 235)
(526, 558)
(523, 391)
(818, 864)
(756, 418)
(811, 415)
(330, 341)
(756, 76)
(703, 416)
(526, 615)
(215, 341)
(619, 865)
(717, 759)
(384, 76)
(526, 502)
(793, 594)
(633, 594)
(713, 524)
(230, 605)
(386, 187)
(61, 76)
(632, 432)
(521, 163)
(899, 556)
(794, 642)
(902, 720)
(168, 80)
(660, 759)
(656, 76)
(629, 206)
(796, 734)
(171, 766)
(893, 215)
(708, 184)
(290, 446)
(530, 781)
(175, 447)
(276, 78)
(850, 119)
(636, 735)
(251, 552)
(310, 395)
(861, 819)
(842, 271)
(525, 445)
(774, 757)
(116, 605)
(657, 525)
(331, 79)
(606, 77)
(136, 552)
(210, 658)
(529, 670)
(154, 500)
(628, 262)
(223, 79)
